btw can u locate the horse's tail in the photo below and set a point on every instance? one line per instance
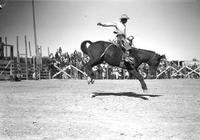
(84, 47)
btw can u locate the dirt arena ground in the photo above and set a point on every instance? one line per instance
(63, 110)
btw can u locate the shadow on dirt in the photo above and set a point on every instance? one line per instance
(128, 94)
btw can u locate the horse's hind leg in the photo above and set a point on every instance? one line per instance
(89, 71)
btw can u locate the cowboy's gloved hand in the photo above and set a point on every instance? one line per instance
(100, 24)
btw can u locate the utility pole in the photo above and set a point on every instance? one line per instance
(48, 52)
(29, 46)
(38, 66)
(26, 57)
(6, 42)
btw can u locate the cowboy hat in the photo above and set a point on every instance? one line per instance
(124, 16)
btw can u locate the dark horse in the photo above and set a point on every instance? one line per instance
(100, 51)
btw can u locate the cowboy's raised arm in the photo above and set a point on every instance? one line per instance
(107, 24)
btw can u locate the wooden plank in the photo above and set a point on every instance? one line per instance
(4, 62)
(78, 70)
(7, 66)
(193, 71)
(5, 77)
(61, 71)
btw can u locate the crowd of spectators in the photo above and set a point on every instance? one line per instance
(105, 71)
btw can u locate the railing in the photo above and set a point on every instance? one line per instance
(63, 70)
(184, 71)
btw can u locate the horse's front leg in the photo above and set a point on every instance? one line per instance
(137, 75)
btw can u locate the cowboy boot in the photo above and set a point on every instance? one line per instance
(128, 58)
(125, 55)
(131, 60)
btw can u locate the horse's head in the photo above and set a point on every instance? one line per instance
(154, 62)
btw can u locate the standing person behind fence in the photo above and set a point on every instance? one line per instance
(121, 35)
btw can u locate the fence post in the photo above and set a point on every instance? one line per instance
(17, 38)
(6, 51)
(48, 52)
(49, 74)
(26, 59)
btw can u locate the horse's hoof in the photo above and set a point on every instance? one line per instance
(92, 81)
(145, 91)
(92, 95)
(89, 80)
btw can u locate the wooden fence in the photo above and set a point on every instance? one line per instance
(6, 69)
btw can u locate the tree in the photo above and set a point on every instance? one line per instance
(194, 59)
(2, 3)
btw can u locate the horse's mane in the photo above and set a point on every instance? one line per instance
(138, 49)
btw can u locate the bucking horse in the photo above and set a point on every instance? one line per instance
(112, 54)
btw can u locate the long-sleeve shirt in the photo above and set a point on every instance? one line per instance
(120, 27)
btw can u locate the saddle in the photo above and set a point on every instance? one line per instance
(125, 56)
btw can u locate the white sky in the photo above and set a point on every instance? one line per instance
(168, 27)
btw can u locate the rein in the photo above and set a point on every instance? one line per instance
(105, 50)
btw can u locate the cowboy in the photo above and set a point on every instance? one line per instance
(121, 35)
